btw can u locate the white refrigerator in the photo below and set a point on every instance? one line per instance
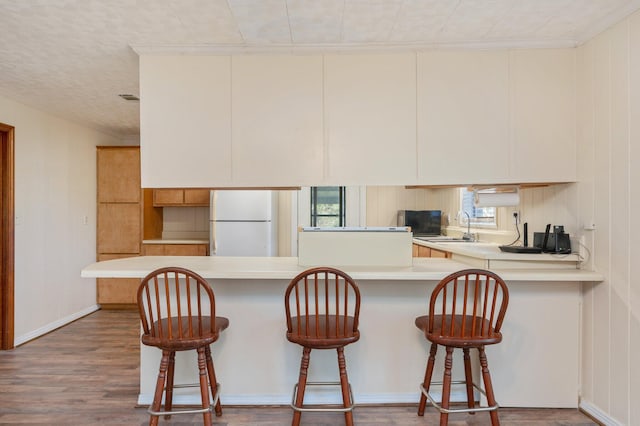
(242, 223)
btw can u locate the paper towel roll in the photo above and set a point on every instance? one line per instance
(496, 199)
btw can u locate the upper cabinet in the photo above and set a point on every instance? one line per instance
(118, 175)
(370, 118)
(185, 121)
(181, 197)
(277, 120)
(543, 115)
(463, 117)
(430, 118)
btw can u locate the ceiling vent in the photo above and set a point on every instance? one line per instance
(129, 97)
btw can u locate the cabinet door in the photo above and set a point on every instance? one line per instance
(119, 228)
(543, 86)
(116, 291)
(175, 249)
(463, 117)
(277, 120)
(185, 250)
(153, 249)
(118, 174)
(370, 118)
(185, 120)
(168, 197)
(196, 197)
(440, 253)
(421, 251)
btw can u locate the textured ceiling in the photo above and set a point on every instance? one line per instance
(73, 57)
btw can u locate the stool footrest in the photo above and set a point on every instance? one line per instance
(322, 409)
(188, 411)
(457, 410)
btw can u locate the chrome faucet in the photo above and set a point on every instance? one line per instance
(468, 236)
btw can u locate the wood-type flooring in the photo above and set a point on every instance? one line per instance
(87, 373)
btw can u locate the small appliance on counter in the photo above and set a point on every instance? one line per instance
(553, 242)
(423, 223)
(524, 248)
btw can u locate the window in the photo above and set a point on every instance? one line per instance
(479, 215)
(328, 206)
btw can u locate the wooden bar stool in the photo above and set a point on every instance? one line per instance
(322, 307)
(466, 311)
(177, 310)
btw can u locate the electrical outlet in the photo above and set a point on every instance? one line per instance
(516, 218)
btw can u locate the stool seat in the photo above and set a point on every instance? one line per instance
(326, 332)
(471, 338)
(203, 335)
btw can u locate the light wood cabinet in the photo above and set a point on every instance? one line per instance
(181, 197)
(117, 292)
(423, 251)
(119, 228)
(125, 218)
(118, 174)
(175, 249)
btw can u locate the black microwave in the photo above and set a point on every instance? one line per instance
(422, 222)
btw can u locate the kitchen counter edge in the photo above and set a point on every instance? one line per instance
(278, 268)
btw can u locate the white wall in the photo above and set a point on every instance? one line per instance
(185, 222)
(55, 188)
(609, 197)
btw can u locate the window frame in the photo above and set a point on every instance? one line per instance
(313, 207)
(476, 221)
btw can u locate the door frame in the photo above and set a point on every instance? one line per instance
(7, 239)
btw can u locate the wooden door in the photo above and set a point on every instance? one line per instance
(7, 237)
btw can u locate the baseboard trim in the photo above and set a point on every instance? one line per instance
(599, 415)
(54, 325)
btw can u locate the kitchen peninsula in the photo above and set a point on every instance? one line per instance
(388, 362)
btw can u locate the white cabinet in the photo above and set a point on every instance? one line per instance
(370, 119)
(277, 120)
(543, 115)
(185, 121)
(463, 117)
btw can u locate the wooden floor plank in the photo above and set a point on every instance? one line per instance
(87, 373)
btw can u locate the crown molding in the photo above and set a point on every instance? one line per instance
(293, 49)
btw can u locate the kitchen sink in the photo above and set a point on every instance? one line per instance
(444, 240)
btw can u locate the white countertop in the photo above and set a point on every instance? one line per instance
(176, 241)
(491, 251)
(212, 267)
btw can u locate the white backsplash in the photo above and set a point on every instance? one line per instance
(185, 223)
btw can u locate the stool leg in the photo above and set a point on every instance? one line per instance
(213, 382)
(204, 386)
(486, 377)
(168, 394)
(427, 378)
(344, 384)
(302, 383)
(468, 378)
(157, 396)
(446, 386)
